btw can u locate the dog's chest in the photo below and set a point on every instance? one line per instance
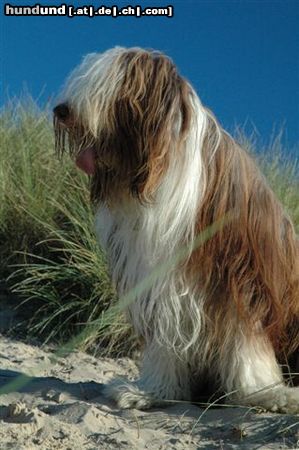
(125, 246)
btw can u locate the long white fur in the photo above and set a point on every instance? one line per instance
(137, 242)
(94, 79)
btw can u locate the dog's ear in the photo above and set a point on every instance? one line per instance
(152, 113)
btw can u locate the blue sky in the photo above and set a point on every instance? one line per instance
(241, 56)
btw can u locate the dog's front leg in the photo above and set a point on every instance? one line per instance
(163, 377)
(254, 378)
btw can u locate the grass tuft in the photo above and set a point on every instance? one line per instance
(49, 255)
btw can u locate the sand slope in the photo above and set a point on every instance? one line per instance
(62, 408)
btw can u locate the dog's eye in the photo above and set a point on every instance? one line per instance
(62, 112)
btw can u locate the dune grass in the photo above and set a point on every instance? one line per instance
(49, 255)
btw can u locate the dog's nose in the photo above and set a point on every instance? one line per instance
(61, 111)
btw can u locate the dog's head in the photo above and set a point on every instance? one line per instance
(123, 113)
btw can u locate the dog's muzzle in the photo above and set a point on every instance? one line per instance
(61, 112)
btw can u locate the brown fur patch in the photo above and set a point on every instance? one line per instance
(250, 268)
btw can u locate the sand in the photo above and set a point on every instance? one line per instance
(62, 407)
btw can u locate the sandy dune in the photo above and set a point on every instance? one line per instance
(62, 407)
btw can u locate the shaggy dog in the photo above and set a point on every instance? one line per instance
(163, 173)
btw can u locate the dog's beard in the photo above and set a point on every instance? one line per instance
(69, 137)
(115, 171)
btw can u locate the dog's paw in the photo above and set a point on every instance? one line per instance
(282, 400)
(128, 395)
(289, 403)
